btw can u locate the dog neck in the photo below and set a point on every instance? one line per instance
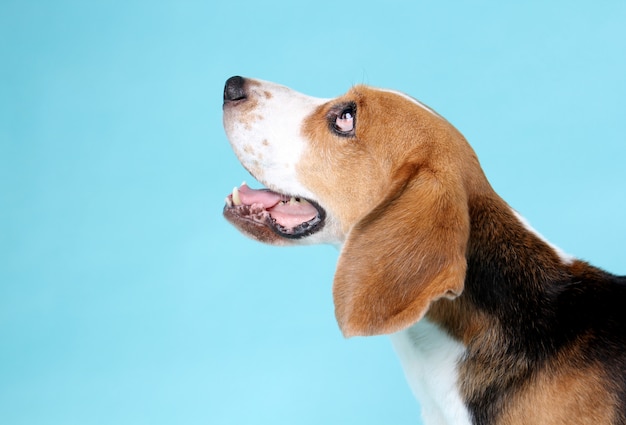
(454, 356)
(508, 321)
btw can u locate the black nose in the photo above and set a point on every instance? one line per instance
(234, 89)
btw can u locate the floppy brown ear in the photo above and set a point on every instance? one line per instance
(406, 253)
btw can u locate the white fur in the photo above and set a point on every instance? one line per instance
(430, 359)
(267, 138)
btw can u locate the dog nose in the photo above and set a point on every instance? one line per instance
(234, 89)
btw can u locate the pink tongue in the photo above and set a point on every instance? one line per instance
(288, 215)
(266, 198)
(292, 215)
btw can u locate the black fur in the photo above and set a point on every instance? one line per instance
(542, 307)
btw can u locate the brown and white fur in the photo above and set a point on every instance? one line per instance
(493, 325)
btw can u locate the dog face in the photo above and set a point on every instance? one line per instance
(374, 171)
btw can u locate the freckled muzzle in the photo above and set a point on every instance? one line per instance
(269, 216)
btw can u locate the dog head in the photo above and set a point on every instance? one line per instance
(373, 171)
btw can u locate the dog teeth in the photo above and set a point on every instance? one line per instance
(228, 201)
(236, 198)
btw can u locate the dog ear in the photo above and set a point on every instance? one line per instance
(406, 253)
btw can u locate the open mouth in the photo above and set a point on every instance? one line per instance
(288, 216)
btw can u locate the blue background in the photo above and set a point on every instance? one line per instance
(125, 298)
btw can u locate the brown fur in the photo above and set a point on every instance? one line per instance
(425, 234)
(565, 393)
(423, 203)
(405, 254)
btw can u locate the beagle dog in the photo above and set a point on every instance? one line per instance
(492, 323)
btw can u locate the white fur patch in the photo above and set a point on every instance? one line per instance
(430, 359)
(267, 138)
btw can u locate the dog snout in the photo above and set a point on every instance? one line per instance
(234, 89)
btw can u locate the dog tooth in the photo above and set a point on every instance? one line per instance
(236, 198)
(228, 201)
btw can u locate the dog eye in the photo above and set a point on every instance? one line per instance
(344, 121)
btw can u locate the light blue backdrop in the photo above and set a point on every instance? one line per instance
(125, 298)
